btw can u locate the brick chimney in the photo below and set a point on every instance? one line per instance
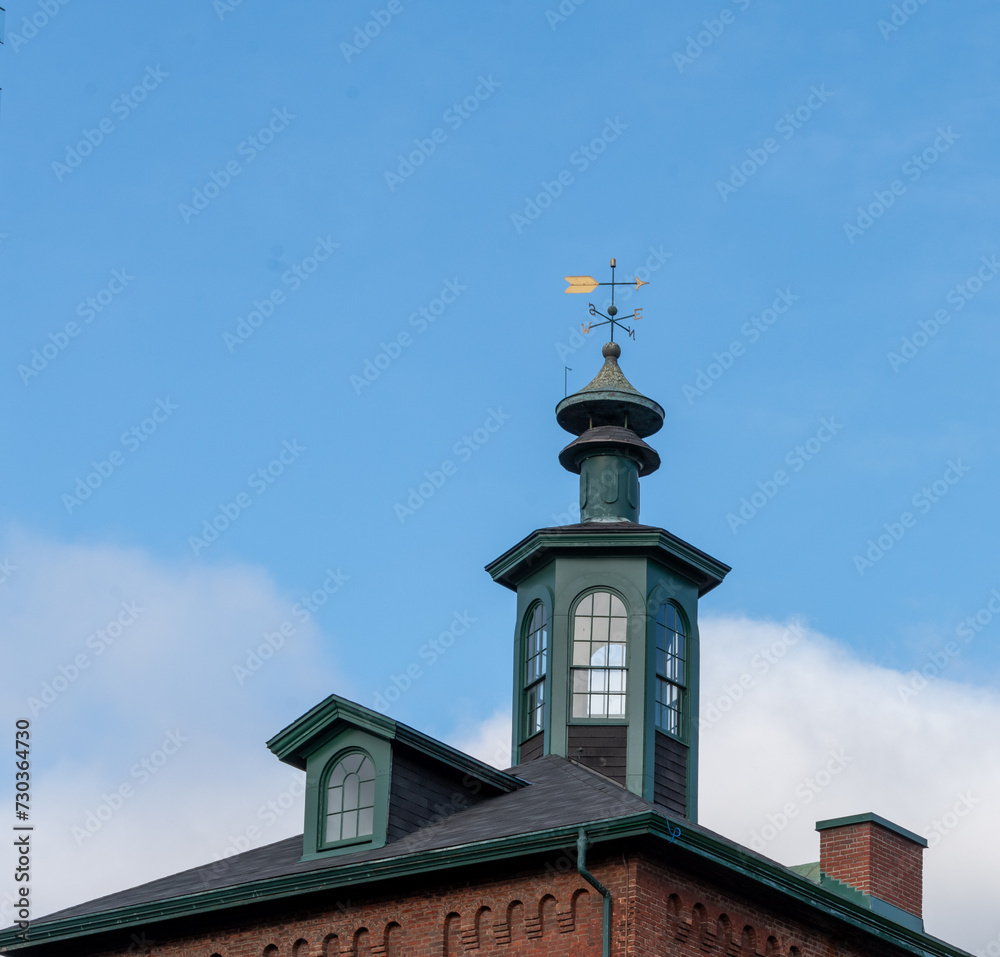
(876, 857)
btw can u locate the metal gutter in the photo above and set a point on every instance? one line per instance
(581, 866)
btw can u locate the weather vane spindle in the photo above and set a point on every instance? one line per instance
(589, 284)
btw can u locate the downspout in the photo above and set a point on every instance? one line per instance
(581, 866)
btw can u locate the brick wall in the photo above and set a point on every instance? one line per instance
(668, 912)
(875, 860)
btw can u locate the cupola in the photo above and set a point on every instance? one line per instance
(605, 643)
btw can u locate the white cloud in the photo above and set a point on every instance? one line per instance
(489, 741)
(910, 759)
(166, 677)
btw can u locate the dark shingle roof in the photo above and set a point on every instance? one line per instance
(561, 793)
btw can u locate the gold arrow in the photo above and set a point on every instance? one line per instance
(639, 282)
(580, 283)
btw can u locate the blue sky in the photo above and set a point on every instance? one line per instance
(262, 210)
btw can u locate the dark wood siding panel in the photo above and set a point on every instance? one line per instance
(603, 748)
(670, 774)
(422, 792)
(532, 748)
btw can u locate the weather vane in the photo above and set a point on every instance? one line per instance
(589, 284)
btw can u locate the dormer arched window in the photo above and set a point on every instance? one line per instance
(536, 646)
(671, 669)
(600, 627)
(350, 799)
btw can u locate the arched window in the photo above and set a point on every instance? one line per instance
(536, 643)
(350, 798)
(600, 624)
(671, 680)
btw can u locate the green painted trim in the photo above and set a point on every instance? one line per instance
(701, 845)
(318, 726)
(875, 819)
(542, 545)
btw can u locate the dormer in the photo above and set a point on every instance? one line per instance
(371, 780)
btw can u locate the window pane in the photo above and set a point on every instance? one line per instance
(350, 825)
(602, 603)
(581, 652)
(586, 606)
(600, 629)
(366, 795)
(337, 775)
(582, 628)
(367, 770)
(618, 629)
(617, 607)
(366, 821)
(352, 762)
(351, 786)
(335, 800)
(333, 828)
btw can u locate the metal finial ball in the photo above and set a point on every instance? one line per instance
(611, 350)
(612, 310)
